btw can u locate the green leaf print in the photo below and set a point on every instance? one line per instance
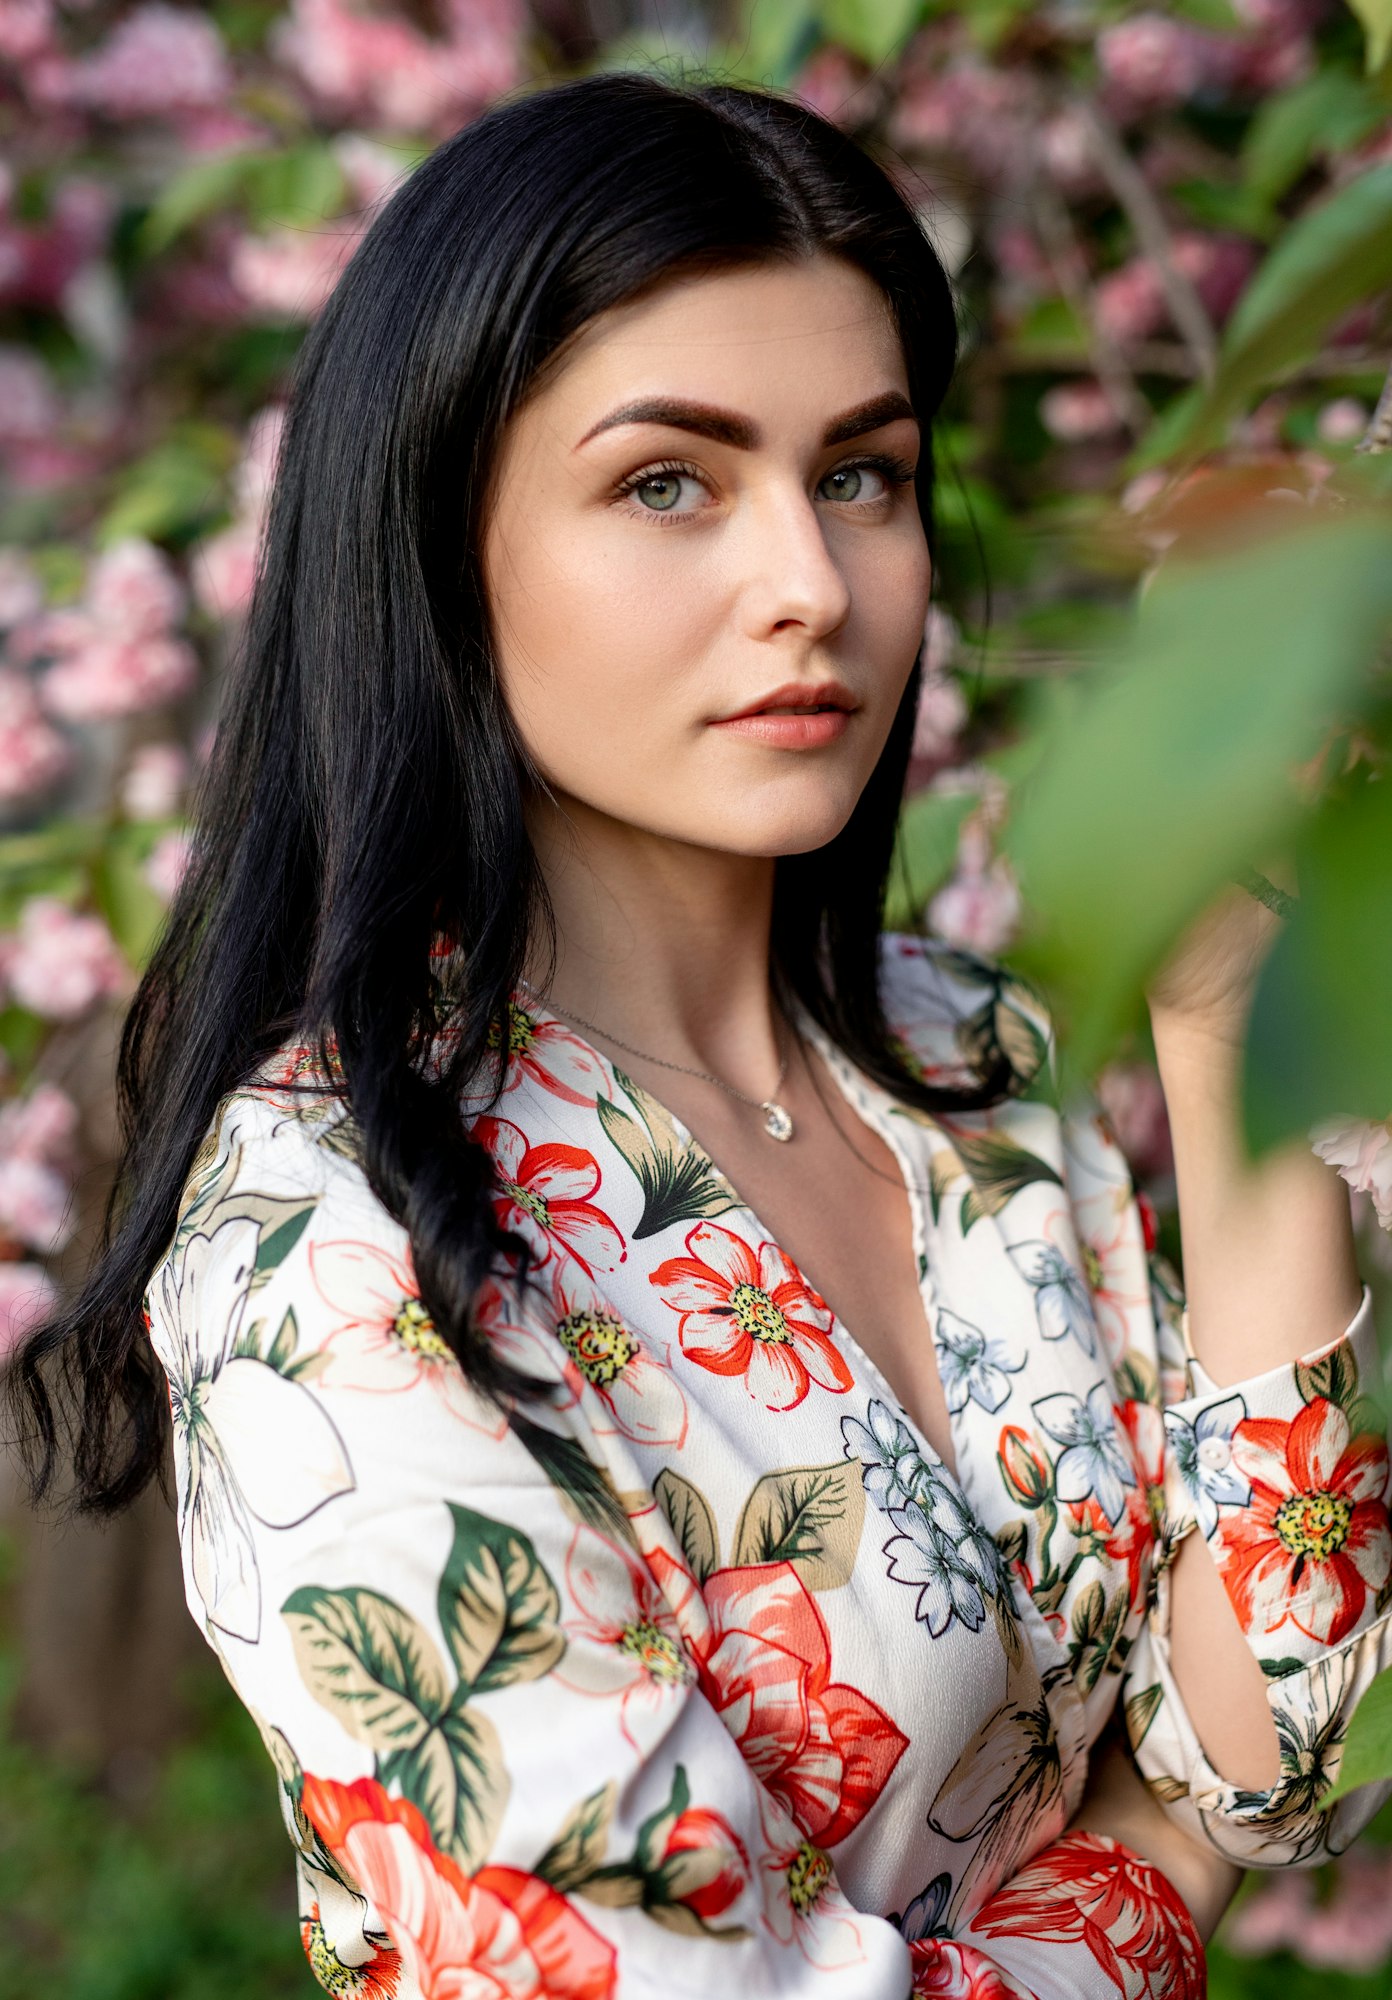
(1334, 1376)
(498, 1607)
(578, 1849)
(810, 1517)
(1141, 1711)
(368, 1662)
(998, 1167)
(456, 1775)
(586, 1487)
(692, 1521)
(279, 1239)
(679, 1183)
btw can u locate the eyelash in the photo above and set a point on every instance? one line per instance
(897, 471)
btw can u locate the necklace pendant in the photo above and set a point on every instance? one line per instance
(777, 1123)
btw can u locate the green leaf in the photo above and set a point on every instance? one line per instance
(1376, 16)
(929, 826)
(203, 188)
(810, 1517)
(1328, 112)
(176, 490)
(369, 1663)
(1317, 1044)
(578, 1849)
(277, 1243)
(287, 1339)
(1332, 256)
(125, 899)
(874, 30)
(1173, 774)
(1335, 1378)
(1368, 1744)
(498, 1606)
(457, 1777)
(692, 1521)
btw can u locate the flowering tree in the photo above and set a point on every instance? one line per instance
(1170, 231)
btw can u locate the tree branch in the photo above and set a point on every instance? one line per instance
(1142, 211)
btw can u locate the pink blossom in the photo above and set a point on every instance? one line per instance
(41, 1126)
(291, 272)
(168, 859)
(1343, 421)
(21, 593)
(27, 1296)
(157, 60)
(1066, 146)
(1153, 61)
(940, 640)
(60, 963)
(224, 569)
(155, 780)
(979, 906)
(979, 912)
(33, 755)
(1270, 1919)
(1129, 303)
(368, 64)
(133, 590)
(1131, 1095)
(830, 82)
(1072, 411)
(941, 716)
(256, 473)
(119, 677)
(216, 128)
(35, 1205)
(28, 404)
(26, 29)
(1362, 1152)
(975, 113)
(372, 171)
(1217, 266)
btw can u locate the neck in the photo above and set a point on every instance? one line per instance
(664, 943)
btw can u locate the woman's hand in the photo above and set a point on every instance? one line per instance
(1209, 978)
(1118, 1802)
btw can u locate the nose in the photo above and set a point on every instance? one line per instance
(794, 579)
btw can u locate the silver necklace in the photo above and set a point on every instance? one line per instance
(777, 1120)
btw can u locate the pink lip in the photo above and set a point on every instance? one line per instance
(835, 705)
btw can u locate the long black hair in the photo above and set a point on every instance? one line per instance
(364, 797)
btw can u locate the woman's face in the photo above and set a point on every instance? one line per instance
(651, 573)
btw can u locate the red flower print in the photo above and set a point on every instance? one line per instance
(944, 1971)
(820, 1746)
(1314, 1540)
(1132, 1538)
(545, 1197)
(752, 1314)
(626, 1645)
(1028, 1476)
(1088, 1889)
(500, 1932)
(545, 1051)
(704, 1864)
(1111, 1248)
(385, 1340)
(375, 1979)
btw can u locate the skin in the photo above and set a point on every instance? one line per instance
(622, 633)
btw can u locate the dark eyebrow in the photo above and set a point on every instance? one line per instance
(726, 427)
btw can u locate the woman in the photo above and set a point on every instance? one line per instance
(683, 1442)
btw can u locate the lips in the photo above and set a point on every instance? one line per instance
(797, 698)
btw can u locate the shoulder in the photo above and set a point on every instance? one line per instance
(955, 1009)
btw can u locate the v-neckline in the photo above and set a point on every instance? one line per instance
(849, 1081)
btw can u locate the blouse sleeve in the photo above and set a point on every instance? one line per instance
(1285, 1475)
(473, 1663)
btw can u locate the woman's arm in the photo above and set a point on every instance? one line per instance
(1269, 1275)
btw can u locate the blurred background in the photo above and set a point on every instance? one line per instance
(1170, 231)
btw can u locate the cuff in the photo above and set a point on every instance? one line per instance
(1285, 1476)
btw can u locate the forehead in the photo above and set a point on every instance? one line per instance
(782, 336)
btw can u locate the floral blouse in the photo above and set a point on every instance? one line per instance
(706, 1675)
